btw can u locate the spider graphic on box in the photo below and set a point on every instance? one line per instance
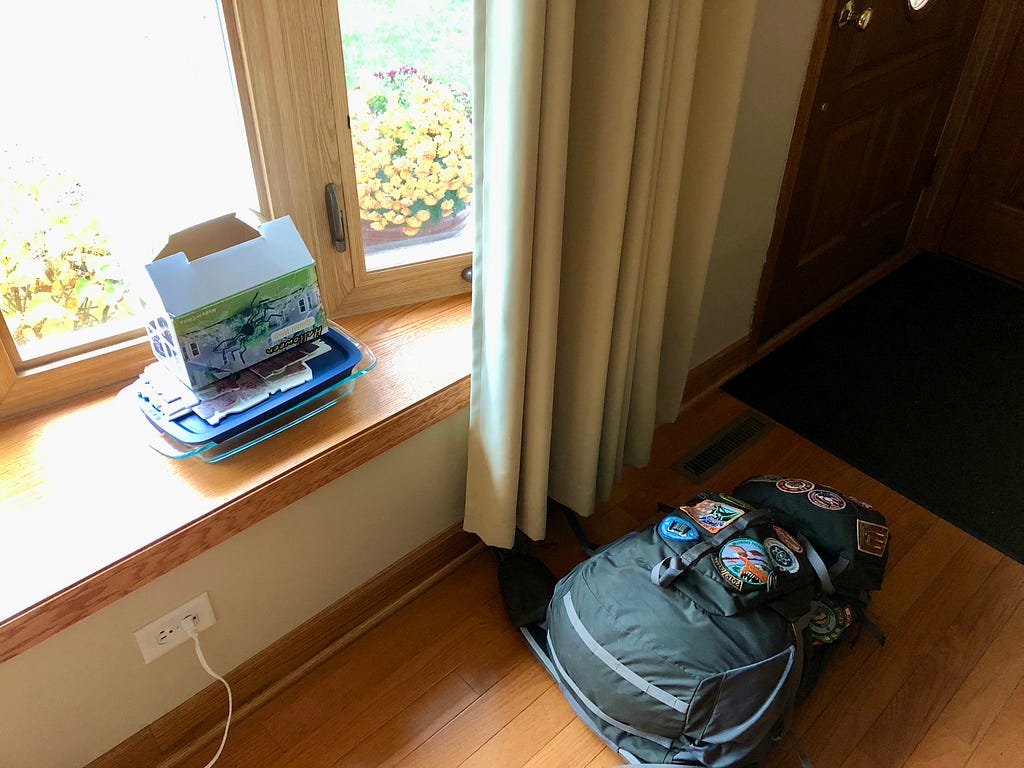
(252, 324)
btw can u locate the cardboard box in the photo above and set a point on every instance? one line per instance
(229, 295)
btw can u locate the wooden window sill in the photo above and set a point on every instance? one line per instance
(88, 514)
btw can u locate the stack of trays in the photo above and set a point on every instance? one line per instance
(250, 405)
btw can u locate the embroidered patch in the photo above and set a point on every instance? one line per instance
(828, 621)
(789, 539)
(744, 563)
(713, 516)
(826, 499)
(871, 538)
(674, 528)
(782, 557)
(736, 502)
(859, 502)
(794, 485)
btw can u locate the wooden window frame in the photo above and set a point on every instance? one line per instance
(291, 83)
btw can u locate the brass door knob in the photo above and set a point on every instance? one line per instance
(848, 13)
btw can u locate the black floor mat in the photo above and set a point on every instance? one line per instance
(918, 382)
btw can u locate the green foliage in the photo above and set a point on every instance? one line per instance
(378, 103)
(435, 36)
(56, 270)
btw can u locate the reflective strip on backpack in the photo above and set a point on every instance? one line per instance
(598, 712)
(617, 666)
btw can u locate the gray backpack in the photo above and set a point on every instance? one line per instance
(685, 643)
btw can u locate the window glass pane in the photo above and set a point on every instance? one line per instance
(121, 125)
(409, 72)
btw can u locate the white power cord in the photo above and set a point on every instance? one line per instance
(188, 624)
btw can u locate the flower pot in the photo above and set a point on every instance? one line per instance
(392, 235)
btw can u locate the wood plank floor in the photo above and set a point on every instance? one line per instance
(448, 682)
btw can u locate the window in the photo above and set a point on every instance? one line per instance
(408, 76)
(145, 104)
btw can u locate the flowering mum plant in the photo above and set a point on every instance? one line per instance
(56, 270)
(413, 142)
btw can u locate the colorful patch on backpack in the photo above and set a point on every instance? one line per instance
(781, 556)
(860, 503)
(788, 539)
(713, 516)
(829, 500)
(736, 502)
(744, 563)
(828, 621)
(872, 538)
(794, 485)
(674, 528)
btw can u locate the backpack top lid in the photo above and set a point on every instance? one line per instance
(735, 557)
(849, 534)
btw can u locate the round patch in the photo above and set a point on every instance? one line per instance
(794, 485)
(674, 528)
(746, 560)
(782, 557)
(826, 500)
(828, 621)
(788, 539)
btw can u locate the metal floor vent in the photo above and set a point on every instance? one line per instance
(723, 447)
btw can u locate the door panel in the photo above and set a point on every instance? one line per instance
(987, 227)
(878, 109)
(844, 153)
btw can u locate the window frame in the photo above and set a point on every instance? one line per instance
(284, 128)
(289, 73)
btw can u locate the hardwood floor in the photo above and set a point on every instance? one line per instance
(447, 681)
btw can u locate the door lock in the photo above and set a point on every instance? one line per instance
(849, 13)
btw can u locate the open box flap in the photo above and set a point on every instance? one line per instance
(224, 265)
(208, 237)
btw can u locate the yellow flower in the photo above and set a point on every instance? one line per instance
(414, 151)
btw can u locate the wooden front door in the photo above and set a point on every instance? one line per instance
(886, 82)
(987, 227)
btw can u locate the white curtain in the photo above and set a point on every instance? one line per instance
(603, 130)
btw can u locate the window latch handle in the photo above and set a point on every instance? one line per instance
(335, 218)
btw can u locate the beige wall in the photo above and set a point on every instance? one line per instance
(83, 691)
(776, 63)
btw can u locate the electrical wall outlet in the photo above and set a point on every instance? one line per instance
(161, 635)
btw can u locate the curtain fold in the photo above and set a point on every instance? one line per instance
(582, 116)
